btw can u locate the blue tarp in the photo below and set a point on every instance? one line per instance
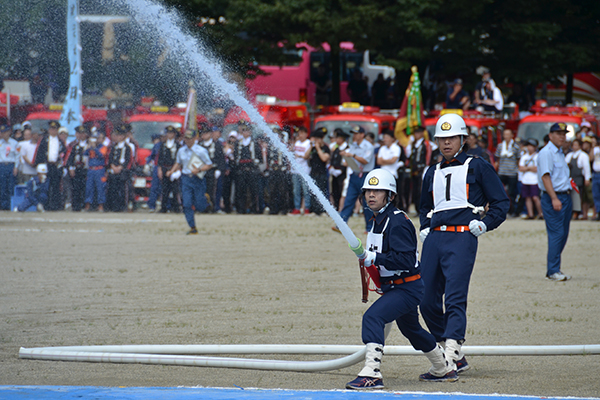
(184, 393)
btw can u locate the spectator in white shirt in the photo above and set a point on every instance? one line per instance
(302, 149)
(27, 164)
(579, 165)
(529, 188)
(390, 157)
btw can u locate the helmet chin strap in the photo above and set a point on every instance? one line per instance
(382, 209)
(460, 148)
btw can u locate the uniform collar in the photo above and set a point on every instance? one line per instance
(461, 158)
(382, 216)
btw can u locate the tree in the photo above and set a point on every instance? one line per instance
(256, 30)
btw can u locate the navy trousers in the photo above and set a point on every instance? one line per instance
(193, 193)
(7, 184)
(557, 227)
(155, 189)
(446, 266)
(400, 305)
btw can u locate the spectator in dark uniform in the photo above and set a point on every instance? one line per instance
(134, 145)
(278, 178)
(421, 156)
(120, 161)
(318, 158)
(151, 164)
(338, 167)
(246, 159)
(214, 175)
(50, 151)
(77, 168)
(167, 157)
(229, 175)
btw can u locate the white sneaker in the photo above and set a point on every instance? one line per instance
(40, 207)
(558, 277)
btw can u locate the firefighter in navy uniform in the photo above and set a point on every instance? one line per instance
(77, 167)
(453, 200)
(246, 159)
(50, 151)
(277, 178)
(213, 176)
(392, 249)
(167, 157)
(120, 161)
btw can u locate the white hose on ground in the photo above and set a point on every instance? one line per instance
(49, 353)
(186, 354)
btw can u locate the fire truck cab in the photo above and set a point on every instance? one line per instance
(97, 117)
(538, 125)
(483, 126)
(348, 115)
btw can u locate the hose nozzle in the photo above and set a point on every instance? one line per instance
(358, 250)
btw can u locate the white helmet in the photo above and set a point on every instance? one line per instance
(380, 179)
(42, 169)
(450, 125)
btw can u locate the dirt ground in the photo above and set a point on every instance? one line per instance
(93, 279)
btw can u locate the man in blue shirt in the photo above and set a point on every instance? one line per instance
(454, 196)
(192, 159)
(555, 184)
(362, 152)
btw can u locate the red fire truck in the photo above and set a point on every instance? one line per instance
(347, 115)
(97, 117)
(276, 113)
(538, 125)
(484, 126)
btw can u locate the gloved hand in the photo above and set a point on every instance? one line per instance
(369, 258)
(477, 228)
(423, 234)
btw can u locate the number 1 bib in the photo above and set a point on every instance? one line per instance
(450, 188)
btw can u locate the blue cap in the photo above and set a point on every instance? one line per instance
(4, 128)
(357, 129)
(559, 127)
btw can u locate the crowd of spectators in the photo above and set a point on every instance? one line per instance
(252, 177)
